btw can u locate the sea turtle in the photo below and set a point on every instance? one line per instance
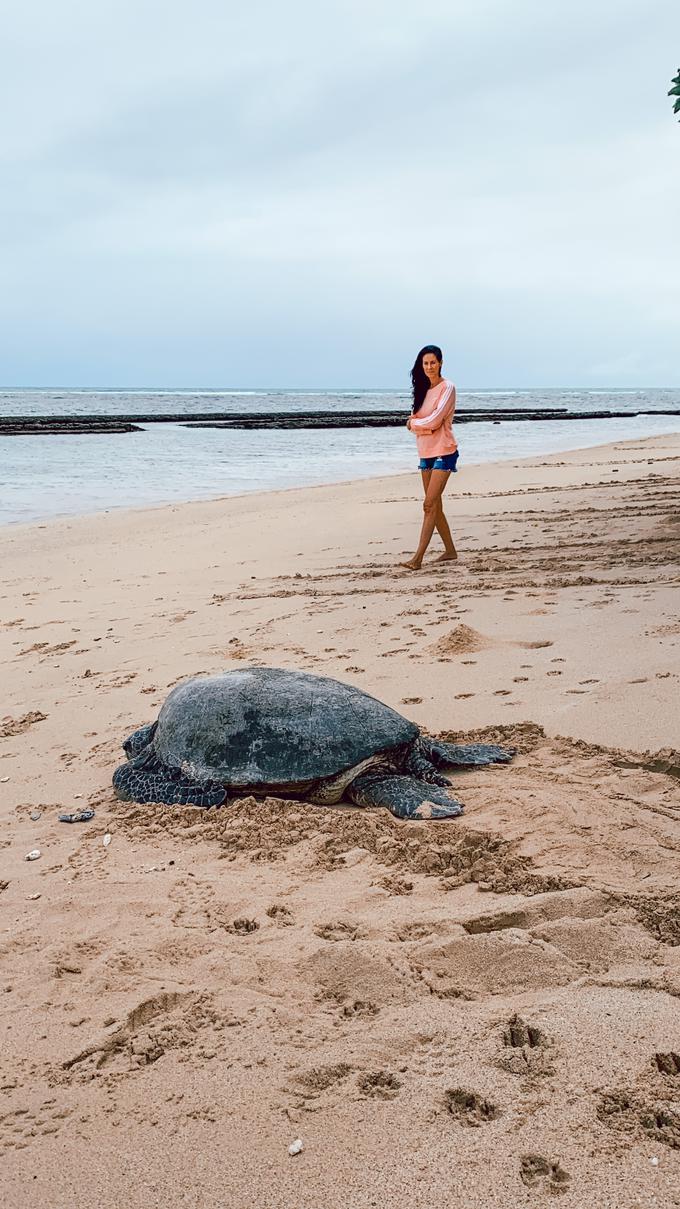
(263, 730)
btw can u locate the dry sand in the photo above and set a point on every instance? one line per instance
(482, 1012)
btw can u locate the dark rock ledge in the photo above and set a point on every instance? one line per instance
(60, 424)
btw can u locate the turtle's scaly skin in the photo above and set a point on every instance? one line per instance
(145, 779)
(264, 730)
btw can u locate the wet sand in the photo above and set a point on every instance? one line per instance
(482, 1010)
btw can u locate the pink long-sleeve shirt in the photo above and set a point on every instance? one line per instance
(436, 413)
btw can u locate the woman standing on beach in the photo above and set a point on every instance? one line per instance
(434, 400)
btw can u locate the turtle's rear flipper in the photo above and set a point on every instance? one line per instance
(466, 755)
(160, 784)
(405, 797)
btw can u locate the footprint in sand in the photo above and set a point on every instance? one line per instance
(462, 696)
(470, 1109)
(356, 1009)
(242, 927)
(543, 1175)
(524, 1048)
(661, 1122)
(380, 1085)
(281, 915)
(668, 1064)
(313, 1082)
(337, 930)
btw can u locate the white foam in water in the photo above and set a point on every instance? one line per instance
(53, 475)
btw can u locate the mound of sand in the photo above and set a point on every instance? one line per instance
(462, 640)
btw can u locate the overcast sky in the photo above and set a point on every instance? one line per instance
(267, 194)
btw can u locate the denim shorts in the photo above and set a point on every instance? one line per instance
(449, 461)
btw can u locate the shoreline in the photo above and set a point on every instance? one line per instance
(466, 467)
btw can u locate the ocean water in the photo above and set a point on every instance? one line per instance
(53, 475)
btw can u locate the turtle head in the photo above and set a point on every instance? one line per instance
(138, 740)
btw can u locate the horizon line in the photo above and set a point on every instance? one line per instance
(327, 389)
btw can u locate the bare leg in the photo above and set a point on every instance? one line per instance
(442, 526)
(434, 482)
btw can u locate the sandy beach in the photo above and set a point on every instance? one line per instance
(484, 1011)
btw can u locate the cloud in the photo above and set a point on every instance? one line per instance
(354, 175)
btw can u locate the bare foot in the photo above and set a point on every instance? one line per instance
(447, 558)
(411, 565)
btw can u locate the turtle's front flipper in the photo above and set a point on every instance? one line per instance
(419, 765)
(466, 755)
(405, 797)
(138, 740)
(145, 779)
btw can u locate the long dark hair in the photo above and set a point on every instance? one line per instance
(419, 379)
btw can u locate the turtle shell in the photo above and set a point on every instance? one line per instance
(266, 726)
